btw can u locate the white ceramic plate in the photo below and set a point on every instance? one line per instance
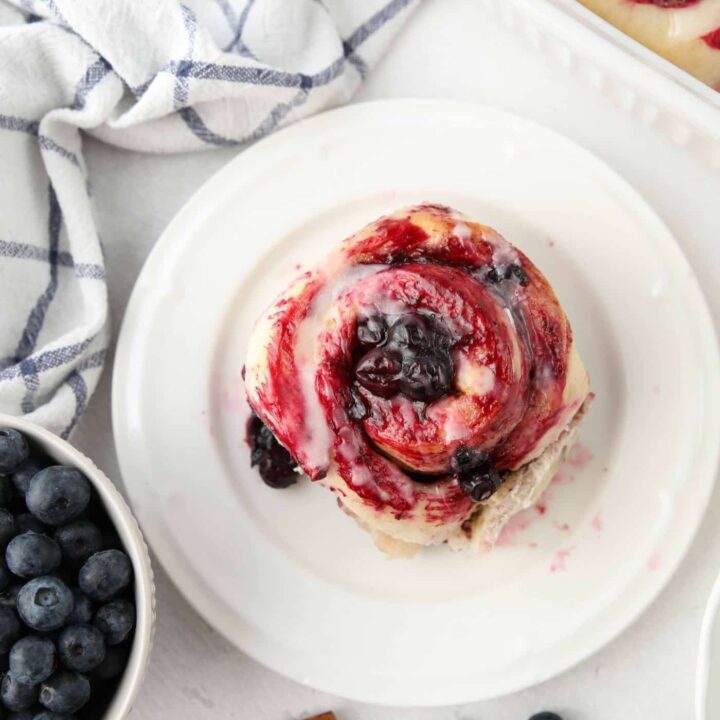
(707, 691)
(288, 577)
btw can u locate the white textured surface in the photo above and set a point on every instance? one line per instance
(649, 671)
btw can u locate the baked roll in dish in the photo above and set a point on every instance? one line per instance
(685, 32)
(425, 373)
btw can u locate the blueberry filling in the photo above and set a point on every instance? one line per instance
(372, 331)
(380, 371)
(467, 459)
(517, 272)
(427, 377)
(481, 483)
(274, 463)
(494, 275)
(411, 357)
(414, 331)
(357, 409)
(478, 477)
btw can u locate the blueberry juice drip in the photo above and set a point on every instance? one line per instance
(275, 464)
(503, 283)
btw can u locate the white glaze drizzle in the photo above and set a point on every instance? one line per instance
(462, 231)
(693, 22)
(318, 439)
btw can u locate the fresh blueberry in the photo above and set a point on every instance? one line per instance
(81, 647)
(78, 541)
(13, 450)
(24, 474)
(8, 597)
(32, 554)
(32, 659)
(427, 377)
(379, 371)
(10, 628)
(481, 482)
(116, 657)
(105, 575)
(493, 275)
(17, 696)
(58, 495)
(65, 692)
(274, 463)
(546, 716)
(45, 603)
(8, 528)
(115, 620)
(372, 331)
(83, 608)
(48, 715)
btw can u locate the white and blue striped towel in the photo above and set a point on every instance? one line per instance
(153, 76)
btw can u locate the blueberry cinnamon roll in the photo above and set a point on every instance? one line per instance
(425, 373)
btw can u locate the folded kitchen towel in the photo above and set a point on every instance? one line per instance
(148, 75)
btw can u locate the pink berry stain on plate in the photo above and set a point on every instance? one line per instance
(563, 477)
(559, 563)
(207, 423)
(513, 533)
(579, 456)
(233, 395)
(510, 534)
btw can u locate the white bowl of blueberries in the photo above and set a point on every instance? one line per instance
(76, 587)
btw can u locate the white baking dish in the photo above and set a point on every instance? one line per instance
(134, 545)
(633, 77)
(707, 691)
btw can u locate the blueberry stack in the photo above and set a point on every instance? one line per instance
(66, 591)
